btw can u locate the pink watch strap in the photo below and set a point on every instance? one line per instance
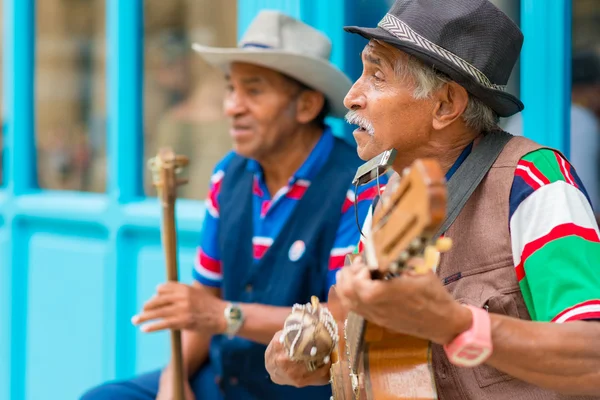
(473, 346)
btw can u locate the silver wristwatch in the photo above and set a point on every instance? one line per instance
(235, 319)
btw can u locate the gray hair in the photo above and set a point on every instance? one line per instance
(477, 115)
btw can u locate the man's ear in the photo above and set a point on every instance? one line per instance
(309, 105)
(451, 103)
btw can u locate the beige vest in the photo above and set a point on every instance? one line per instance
(479, 270)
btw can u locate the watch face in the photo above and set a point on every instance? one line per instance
(472, 355)
(470, 352)
(235, 313)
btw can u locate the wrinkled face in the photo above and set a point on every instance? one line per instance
(262, 107)
(383, 106)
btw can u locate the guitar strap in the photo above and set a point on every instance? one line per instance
(470, 173)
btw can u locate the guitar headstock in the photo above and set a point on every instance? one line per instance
(165, 167)
(411, 210)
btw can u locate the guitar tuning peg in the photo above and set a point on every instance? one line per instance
(403, 257)
(443, 244)
(182, 181)
(416, 245)
(430, 260)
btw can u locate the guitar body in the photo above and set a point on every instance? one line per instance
(390, 366)
(396, 367)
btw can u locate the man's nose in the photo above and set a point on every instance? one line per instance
(355, 98)
(233, 105)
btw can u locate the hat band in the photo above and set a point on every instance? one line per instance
(402, 31)
(257, 45)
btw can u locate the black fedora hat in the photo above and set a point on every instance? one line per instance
(471, 41)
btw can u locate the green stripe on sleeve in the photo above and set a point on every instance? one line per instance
(545, 161)
(561, 274)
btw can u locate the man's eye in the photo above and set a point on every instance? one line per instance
(378, 76)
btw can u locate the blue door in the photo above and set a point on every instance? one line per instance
(77, 264)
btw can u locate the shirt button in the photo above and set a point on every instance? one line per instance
(233, 381)
(249, 288)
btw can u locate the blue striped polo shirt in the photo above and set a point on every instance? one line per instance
(270, 213)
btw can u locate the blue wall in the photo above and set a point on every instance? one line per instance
(74, 267)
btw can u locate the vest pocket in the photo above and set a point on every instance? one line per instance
(503, 304)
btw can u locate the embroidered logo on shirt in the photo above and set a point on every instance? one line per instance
(296, 250)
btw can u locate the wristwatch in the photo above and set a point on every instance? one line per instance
(474, 346)
(235, 319)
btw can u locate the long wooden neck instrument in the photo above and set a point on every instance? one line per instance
(165, 167)
(371, 362)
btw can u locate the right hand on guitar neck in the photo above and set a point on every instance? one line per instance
(284, 371)
(165, 386)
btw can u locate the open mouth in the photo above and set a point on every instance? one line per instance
(362, 129)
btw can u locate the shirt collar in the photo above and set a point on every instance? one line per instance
(461, 158)
(313, 163)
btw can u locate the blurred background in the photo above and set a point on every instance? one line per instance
(92, 88)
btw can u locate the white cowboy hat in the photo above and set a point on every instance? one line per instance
(284, 44)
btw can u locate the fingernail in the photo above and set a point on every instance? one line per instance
(144, 328)
(135, 319)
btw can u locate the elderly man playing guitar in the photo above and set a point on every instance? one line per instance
(513, 308)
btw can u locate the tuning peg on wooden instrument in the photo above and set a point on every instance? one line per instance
(443, 244)
(431, 258)
(431, 255)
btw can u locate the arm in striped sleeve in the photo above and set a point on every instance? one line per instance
(207, 264)
(555, 240)
(348, 235)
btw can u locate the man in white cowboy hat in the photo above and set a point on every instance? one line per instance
(281, 216)
(513, 309)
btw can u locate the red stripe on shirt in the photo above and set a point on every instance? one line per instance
(534, 170)
(296, 191)
(336, 262)
(264, 208)
(368, 194)
(361, 246)
(208, 263)
(565, 169)
(586, 315)
(256, 189)
(527, 178)
(556, 233)
(214, 193)
(260, 250)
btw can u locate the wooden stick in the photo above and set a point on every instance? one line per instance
(165, 167)
(169, 239)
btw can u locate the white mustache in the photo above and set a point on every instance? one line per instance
(353, 118)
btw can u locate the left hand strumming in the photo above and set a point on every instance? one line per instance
(413, 304)
(179, 306)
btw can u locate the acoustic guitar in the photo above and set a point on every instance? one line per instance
(165, 167)
(371, 362)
